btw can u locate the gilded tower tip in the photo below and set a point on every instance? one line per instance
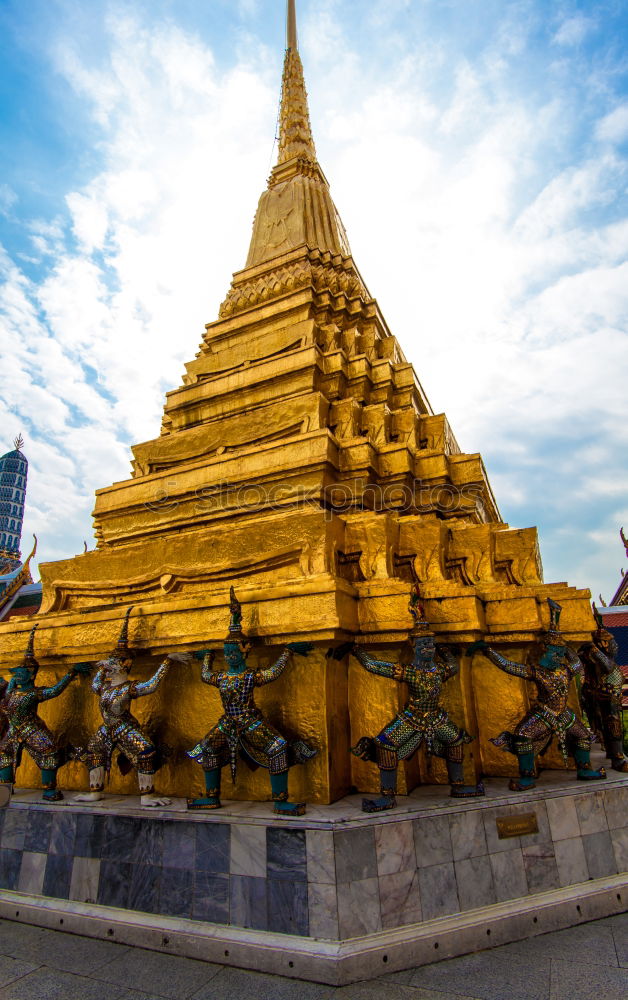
(292, 41)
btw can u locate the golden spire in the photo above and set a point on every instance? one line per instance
(297, 209)
(295, 133)
(291, 32)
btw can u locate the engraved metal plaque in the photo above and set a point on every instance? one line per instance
(517, 826)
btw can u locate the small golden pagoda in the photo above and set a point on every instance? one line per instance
(300, 461)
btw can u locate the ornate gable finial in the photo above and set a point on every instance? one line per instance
(18, 443)
(624, 539)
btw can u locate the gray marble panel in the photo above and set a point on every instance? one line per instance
(62, 833)
(113, 884)
(90, 832)
(147, 849)
(175, 897)
(598, 850)
(591, 812)
(84, 882)
(144, 887)
(619, 840)
(438, 891)
(288, 911)
(213, 848)
(544, 836)
(32, 873)
(179, 845)
(394, 848)
(571, 861)
(323, 907)
(248, 851)
(494, 844)
(359, 908)
(539, 862)
(211, 898)
(355, 854)
(14, 829)
(468, 839)
(10, 862)
(37, 834)
(400, 899)
(432, 841)
(286, 856)
(509, 875)
(563, 818)
(119, 836)
(474, 878)
(321, 860)
(248, 902)
(616, 806)
(58, 876)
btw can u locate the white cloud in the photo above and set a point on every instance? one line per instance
(613, 127)
(496, 248)
(574, 30)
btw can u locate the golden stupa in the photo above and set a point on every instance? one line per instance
(300, 461)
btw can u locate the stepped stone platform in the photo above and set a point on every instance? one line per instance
(335, 896)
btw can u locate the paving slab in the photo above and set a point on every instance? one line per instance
(155, 972)
(572, 981)
(237, 984)
(56, 950)
(394, 991)
(51, 984)
(489, 976)
(588, 944)
(13, 968)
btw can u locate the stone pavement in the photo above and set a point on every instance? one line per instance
(589, 962)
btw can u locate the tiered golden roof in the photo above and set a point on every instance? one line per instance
(300, 460)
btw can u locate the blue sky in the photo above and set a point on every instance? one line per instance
(477, 152)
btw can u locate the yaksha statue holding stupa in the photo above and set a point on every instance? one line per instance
(551, 669)
(120, 730)
(423, 720)
(242, 731)
(25, 730)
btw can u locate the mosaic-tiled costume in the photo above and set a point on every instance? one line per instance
(25, 730)
(242, 730)
(120, 730)
(602, 692)
(550, 715)
(422, 720)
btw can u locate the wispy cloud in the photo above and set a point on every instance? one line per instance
(485, 209)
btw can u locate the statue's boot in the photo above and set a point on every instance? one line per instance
(211, 799)
(388, 787)
(583, 765)
(279, 790)
(455, 773)
(615, 746)
(49, 782)
(526, 773)
(7, 777)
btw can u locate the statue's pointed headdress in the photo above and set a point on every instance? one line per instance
(235, 633)
(29, 660)
(421, 628)
(122, 650)
(553, 636)
(601, 634)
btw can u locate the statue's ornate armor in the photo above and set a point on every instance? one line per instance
(423, 718)
(120, 729)
(602, 696)
(242, 727)
(549, 715)
(26, 731)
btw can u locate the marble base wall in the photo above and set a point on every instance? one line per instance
(350, 877)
